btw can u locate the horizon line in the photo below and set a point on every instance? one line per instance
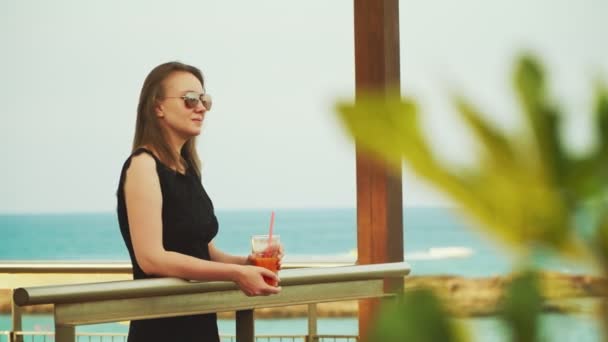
(217, 210)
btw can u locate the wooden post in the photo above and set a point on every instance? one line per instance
(16, 314)
(379, 195)
(65, 333)
(312, 322)
(245, 329)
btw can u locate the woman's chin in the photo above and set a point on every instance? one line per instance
(195, 131)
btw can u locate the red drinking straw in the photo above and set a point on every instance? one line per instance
(271, 227)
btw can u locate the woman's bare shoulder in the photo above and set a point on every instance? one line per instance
(142, 165)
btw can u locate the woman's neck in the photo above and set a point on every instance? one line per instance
(176, 143)
(175, 148)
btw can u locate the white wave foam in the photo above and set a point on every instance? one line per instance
(433, 253)
(437, 253)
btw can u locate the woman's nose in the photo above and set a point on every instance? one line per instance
(200, 108)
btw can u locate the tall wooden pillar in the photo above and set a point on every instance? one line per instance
(379, 195)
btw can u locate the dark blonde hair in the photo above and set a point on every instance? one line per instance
(148, 131)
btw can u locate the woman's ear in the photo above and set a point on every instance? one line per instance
(159, 110)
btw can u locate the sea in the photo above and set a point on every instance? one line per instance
(436, 241)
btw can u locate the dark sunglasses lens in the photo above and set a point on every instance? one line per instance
(190, 101)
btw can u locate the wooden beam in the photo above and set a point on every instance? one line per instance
(65, 333)
(245, 327)
(123, 309)
(312, 323)
(17, 319)
(379, 195)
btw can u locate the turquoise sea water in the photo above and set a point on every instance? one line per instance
(437, 240)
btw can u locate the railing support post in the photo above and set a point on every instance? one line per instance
(312, 322)
(65, 333)
(245, 330)
(16, 312)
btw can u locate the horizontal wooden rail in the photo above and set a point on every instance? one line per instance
(57, 294)
(169, 297)
(123, 267)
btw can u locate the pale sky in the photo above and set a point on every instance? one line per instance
(71, 71)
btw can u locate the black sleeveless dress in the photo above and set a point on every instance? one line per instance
(189, 224)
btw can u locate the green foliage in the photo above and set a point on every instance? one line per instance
(417, 316)
(525, 191)
(522, 307)
(601, 241)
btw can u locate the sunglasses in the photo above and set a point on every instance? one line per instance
(191, 99)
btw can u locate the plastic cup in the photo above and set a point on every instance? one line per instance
(266, 254)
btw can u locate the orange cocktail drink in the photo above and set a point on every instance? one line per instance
(266, 254)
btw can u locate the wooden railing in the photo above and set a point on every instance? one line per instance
(166, 297)
(123, 267)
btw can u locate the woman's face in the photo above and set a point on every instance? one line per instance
(172, 111)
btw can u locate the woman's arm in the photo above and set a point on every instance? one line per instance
(219, 256)
(144, 208)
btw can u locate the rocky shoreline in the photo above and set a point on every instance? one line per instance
(472, 297)
(464, 297)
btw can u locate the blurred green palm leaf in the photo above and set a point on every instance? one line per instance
(524, 189)
(417, 316)
(522, 307)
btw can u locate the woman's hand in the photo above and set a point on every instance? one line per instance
(280, 254)
(250, 280)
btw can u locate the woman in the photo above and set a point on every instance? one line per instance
(166, 218)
